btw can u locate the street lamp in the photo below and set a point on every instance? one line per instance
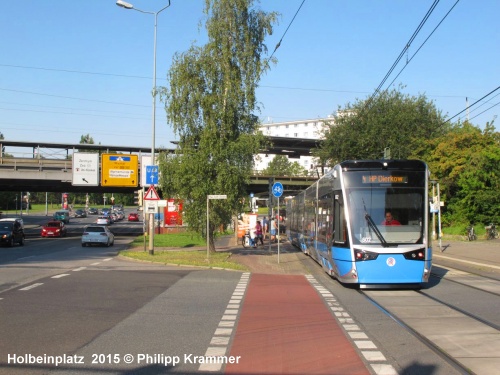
(126, 5)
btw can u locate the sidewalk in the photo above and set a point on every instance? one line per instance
(476, 256)
(481, 255)
(289, 261)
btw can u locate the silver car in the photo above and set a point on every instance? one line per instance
(97, 234)
(103, 220)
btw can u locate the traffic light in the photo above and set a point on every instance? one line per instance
(138, 197)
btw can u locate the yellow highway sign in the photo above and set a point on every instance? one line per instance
(119, 170)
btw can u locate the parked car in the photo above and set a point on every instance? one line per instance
(97, 234)
(11, 232)
(80, 213)
(54, 229)
(103, 220)
(93, 211)
(133, 216)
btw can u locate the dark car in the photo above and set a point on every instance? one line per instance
(80, 213)
(93, 211)
(54, 229)
(11, 232)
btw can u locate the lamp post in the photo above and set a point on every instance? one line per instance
(126, 5)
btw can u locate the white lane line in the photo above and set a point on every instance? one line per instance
(366, 346)
(79, 269)
(59, 276)
(220, 339)
(31, 256)
(31, 286)
(95, 264)
(464, 261)
(107, 259)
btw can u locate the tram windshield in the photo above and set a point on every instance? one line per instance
(386, 216)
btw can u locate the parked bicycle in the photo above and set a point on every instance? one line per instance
(491, 232)
(471, 234)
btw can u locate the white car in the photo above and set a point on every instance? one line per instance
(103, 220)
(97, 234)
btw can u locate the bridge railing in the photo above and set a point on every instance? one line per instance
(34, 164)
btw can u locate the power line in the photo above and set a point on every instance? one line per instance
(290, 24)
(486, 110)
(75, 71)
(70, 97)
(473, 104)
(415, 33)
(425, 41)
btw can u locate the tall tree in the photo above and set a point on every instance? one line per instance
(281, 166)
(211, 103)
(466, 161)
(391, 120)
(86, 139)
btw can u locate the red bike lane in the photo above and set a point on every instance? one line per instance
(286, 328)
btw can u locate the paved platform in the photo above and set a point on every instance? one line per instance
(474, 256)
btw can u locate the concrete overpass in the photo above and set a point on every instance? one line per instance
(47, 166)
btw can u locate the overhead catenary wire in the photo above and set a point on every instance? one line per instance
(486, 110)
(410, 41)
(425, 41)
(472, 105)
(290, 24)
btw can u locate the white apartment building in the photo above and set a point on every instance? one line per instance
(304, 129)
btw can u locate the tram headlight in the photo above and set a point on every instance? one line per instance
(415, 255)
(361, 255)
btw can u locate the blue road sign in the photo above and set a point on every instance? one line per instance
(151, 175)
(277, 189)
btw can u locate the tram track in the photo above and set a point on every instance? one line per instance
(420, 337)
(461, 311)
(477, 275)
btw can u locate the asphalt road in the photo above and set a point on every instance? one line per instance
(88, 303)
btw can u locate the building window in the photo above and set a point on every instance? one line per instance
(295, 135)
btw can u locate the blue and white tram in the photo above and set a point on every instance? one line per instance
(340, 222)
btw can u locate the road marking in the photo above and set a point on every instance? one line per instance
(79, 269)
(107, 259)
(31, 286)
(95, 264)
(466, 261)
(220, 339)
(59, 276)
(31, 256)
(366, 346)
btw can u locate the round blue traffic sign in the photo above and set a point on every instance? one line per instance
(277, 189)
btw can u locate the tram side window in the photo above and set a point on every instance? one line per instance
(325, 226)
(340, 224)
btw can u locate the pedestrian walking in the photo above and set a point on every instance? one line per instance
(265, 227)
(258, 234)
(273, 229)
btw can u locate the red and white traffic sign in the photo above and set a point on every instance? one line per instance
(151, 194)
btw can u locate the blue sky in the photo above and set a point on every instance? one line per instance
(71, 67)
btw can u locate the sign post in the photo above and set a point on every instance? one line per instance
(224, 196)
(151, 195)
(278, 192)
